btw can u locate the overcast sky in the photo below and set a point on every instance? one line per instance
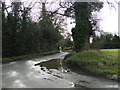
(108, 22)
(109, 19)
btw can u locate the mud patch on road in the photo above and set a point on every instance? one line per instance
(52, 64)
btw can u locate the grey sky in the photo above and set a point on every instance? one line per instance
(108, 22)
(109, 19)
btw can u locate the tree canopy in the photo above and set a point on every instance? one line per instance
(22, 36)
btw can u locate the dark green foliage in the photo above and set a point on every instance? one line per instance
(66, 42)
(106, 41)
(84, 28)
(49, 32)
(22, 36)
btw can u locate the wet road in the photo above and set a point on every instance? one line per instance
(24, 74)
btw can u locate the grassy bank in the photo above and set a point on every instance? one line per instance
(111, 52)
(30, 56)
(103, 62)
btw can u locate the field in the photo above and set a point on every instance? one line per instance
(103, 62)
(113, 52)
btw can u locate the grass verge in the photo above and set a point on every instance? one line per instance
(103, 63)
(30, 56)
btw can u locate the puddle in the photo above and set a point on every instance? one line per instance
(52, 64)
(79, 86)
(52, 67)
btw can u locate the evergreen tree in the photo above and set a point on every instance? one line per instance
(83, 29)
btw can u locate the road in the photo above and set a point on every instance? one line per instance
(24, 74)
